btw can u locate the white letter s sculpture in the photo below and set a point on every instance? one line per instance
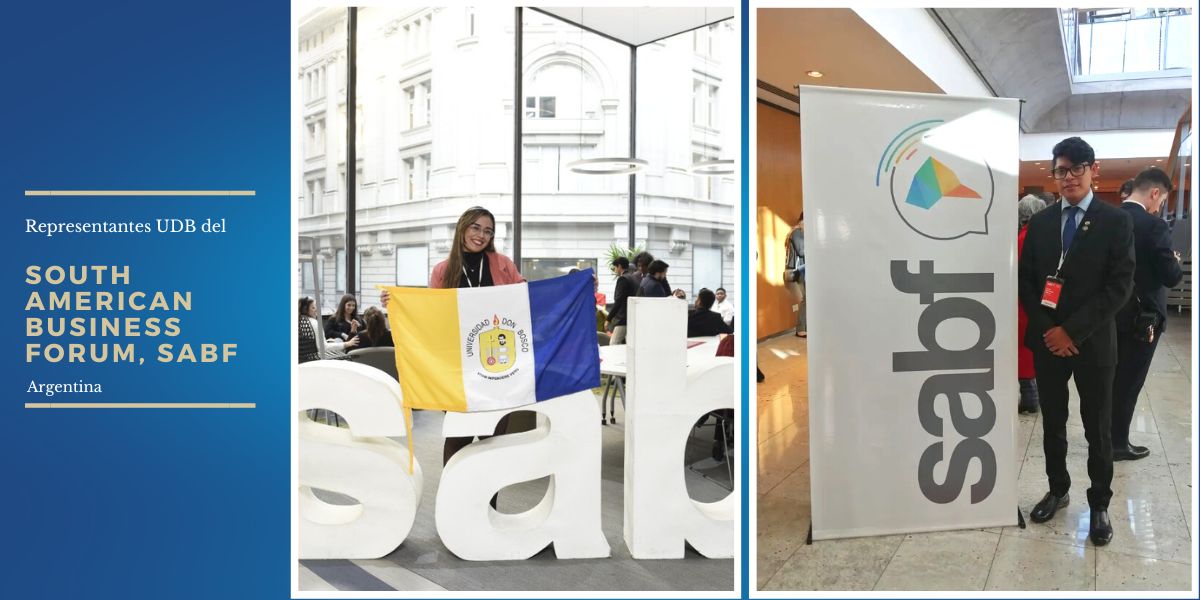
(360, 462)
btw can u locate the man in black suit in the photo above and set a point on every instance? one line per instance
(1142, 320)
(625, 288)
(1076, 271)
(702, 321)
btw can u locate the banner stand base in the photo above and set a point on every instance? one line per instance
(1020, 523)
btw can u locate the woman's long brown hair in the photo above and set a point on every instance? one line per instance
(454, 264)
(340, 316)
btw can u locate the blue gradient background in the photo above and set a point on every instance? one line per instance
(151, 503)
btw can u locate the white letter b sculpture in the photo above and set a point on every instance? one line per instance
(567, 448)
(666, 397)
(360, 462)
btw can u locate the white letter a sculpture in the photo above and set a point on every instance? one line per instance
(567, 449)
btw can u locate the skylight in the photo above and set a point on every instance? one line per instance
(1112, 44)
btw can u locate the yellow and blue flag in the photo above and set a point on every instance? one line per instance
(493, 348)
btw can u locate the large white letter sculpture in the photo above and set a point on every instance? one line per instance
(567, 449)
(666, 398)
(360, 462)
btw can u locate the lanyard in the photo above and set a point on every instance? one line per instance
(478, 283)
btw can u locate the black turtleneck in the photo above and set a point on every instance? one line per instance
(472, 261)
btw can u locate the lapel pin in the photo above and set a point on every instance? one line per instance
(1085, 225)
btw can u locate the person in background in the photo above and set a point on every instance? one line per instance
(724, 306)
(795, 266)
(641, 264)
(1126, 189)
(1026, 376)
(345, 322)
(702, 321)
(601, 299)
(679, 293)
(1047, 197)
(625, 287)
(1142, 320)
(377, 334)
(313, 345)
(654, 282)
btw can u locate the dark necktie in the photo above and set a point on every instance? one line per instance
(1069, 229)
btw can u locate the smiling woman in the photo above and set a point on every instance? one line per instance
(473, 242)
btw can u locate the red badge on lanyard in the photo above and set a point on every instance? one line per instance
(1052, 291)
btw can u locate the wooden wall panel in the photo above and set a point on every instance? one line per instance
(779, 205)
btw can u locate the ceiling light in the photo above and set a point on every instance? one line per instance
(712, 167)
(1158, 160)
(815, 74)
(607, 166)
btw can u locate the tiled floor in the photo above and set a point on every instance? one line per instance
(1151, 511)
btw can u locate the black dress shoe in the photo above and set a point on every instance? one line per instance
(1044, 511)
(1101, 532)
(1130, 452)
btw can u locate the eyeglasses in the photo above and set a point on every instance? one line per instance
(1075, 171)
(478, 229)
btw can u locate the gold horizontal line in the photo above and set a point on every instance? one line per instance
(139, 405)
(139, 192)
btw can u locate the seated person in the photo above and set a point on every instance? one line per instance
(345, 323)
(702, 321)
(313, 345)
(377, 333)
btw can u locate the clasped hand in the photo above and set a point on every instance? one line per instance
(1059, 343)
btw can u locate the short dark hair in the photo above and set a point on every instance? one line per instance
(720, 289)
(1151, 177)
(706, 298)
(1075, 150)
(1126, 188)
(643, 258)
(657, 266)
(622, 262)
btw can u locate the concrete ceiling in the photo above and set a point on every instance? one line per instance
(836, 42)
(1019, 52)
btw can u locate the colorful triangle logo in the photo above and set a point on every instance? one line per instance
(935, 181)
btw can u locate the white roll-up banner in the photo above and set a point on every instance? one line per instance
(910, 212)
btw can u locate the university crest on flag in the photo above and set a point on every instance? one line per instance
(497, 347)
(494, 348)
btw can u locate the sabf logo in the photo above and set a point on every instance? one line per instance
(939, 186)
(497, 348)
